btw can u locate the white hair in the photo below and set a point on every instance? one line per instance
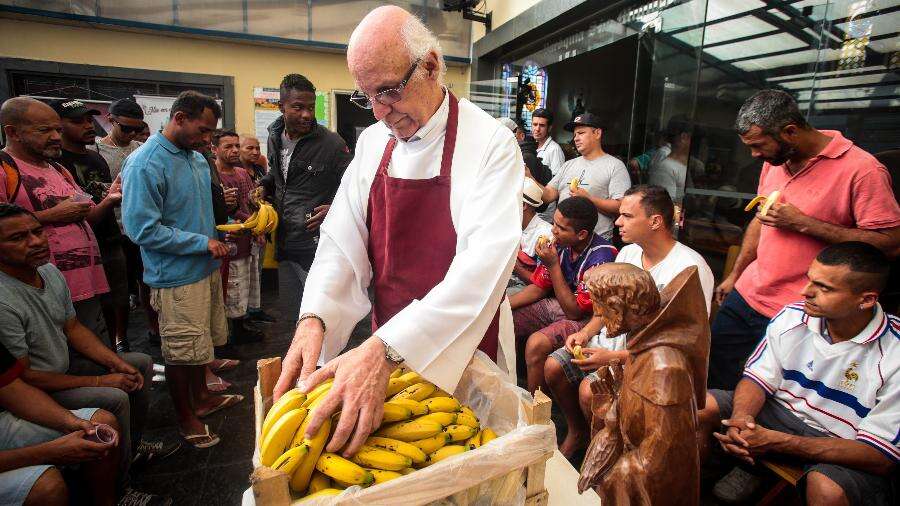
(419, 41)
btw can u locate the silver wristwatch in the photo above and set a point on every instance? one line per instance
(391, 354)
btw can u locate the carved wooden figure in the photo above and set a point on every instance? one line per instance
(645, 451)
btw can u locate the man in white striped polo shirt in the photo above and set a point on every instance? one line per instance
(823, 386)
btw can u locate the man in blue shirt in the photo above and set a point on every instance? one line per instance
(167, 210)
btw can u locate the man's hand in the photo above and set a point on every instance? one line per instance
(761, 440)
(547, 253)
(77, 424)
(581, 192)
(114, 193)
(302, 357)
(217, 249)
(230, 196)
(595, 358)
(784, 215)
(724, 288)
(125, 382)
(69, 211)
(319, 213)
(360, 382)
(576, 339)
(73, 448)
(125, 368)
(732, 441)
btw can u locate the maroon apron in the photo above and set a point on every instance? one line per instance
(411, 236)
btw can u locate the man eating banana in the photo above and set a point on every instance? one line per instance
(424, 217)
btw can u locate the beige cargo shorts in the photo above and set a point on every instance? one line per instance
(191, 320)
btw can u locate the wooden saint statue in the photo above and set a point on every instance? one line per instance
(644, 452)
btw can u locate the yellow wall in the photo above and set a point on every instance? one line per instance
(501, 12)
(250, 65)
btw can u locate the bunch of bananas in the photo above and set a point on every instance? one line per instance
(263, 221)
(422, 424)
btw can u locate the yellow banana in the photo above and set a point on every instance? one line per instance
(292, 399)
(487, 435)
(397, 373)
(442, 405)
(573, 184)
(318, 482)
(262, 221)
(411, 377)
(439, 393)
(382, 476)
(280, 435)
(576, 351)
(395, 413)
(325, 492)
(474, 441)
(394, 386)
(771, 200)
(417, 408)
(756, 200)
(460, 432)
(442, 418)
(409, 450)
(273, 221)
(412, 430)
(445, 452)
(341, 469)
(432, 444)
(379, 458)
(467, 418)
(251, 221)
(406, 471)
(304, 472)
(291, 459)
(317, 392)
(417, 392)
(230, 227)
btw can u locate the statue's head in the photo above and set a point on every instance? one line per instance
(625, 297)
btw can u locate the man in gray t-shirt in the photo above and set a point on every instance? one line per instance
(599, 176)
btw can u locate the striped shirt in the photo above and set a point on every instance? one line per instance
(849, 389)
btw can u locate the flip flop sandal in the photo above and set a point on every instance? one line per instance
(227, 364)
(201, 441)
(227, 402)
(218, 385)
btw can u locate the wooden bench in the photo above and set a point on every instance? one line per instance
(789, 475)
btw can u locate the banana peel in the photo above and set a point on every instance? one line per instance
(765, 202)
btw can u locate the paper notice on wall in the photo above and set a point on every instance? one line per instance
(156, 110)
(265, 111)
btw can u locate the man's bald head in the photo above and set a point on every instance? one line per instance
(15, 111)
(388, 45)
(33, 129)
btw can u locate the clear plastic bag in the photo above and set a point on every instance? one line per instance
(493, 474)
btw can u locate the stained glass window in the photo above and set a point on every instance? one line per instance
(532, 94)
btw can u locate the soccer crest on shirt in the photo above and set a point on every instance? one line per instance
(850, 377)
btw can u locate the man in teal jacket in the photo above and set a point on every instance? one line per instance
(167, 211)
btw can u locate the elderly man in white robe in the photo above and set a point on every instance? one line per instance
(428, 215)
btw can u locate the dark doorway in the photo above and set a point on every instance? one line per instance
(351, 120)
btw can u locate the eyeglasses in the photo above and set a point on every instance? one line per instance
(128, 129)
(387, 97)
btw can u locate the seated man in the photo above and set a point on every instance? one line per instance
(41, 327)
(39, 434)
(555, 304)
(822, 387)
(533, 227)
(645, 221)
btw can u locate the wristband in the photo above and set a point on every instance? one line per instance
(306, 316)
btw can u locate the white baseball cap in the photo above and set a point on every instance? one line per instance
(532, 193)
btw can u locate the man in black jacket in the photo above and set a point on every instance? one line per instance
(306, 162)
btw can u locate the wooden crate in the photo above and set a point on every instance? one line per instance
(270, 487)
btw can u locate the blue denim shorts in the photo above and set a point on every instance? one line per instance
(16, 433)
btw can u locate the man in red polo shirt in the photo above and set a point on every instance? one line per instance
(831, 191)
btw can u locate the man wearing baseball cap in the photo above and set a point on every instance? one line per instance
(595, 174)
(533, 227)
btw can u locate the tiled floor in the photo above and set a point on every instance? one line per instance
(219, 475)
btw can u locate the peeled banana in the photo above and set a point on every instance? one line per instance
(576, 351)
(573, 184)
(341, 469)
(767, 202)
